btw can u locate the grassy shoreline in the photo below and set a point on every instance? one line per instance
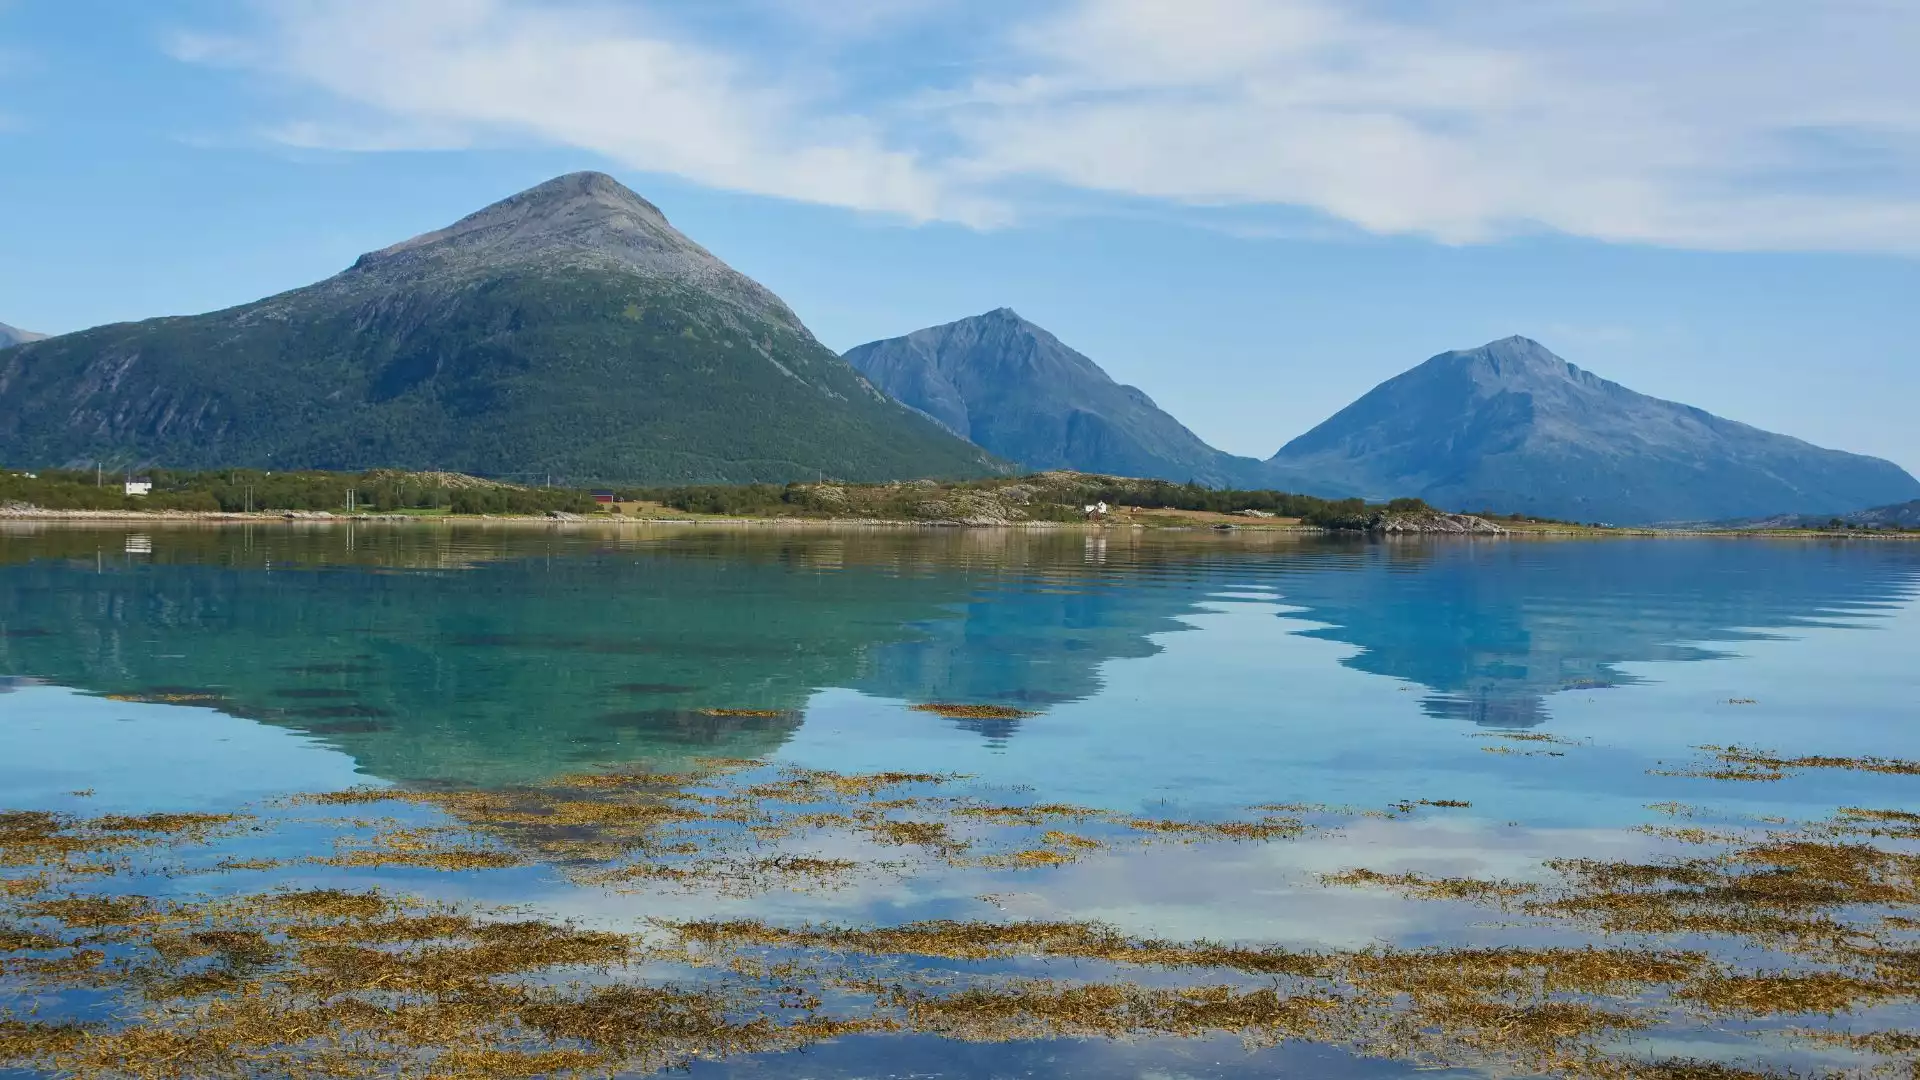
(1052, 500)
(1155, 523)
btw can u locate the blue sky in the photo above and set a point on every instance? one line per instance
(1253, 209)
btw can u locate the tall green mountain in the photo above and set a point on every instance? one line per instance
(1018, 391)
(566, 331)
(12, 335)
(1513, 427)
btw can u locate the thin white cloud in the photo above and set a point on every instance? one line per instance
(1629, 121)
(1727, 124)
(599, 78)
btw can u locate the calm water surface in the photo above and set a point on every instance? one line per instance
(1181, 676)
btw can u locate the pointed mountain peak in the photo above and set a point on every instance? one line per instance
(583, 219)
(1000, 318)
(574, 193)
(1512, 426)
(1509, 359)
(1017, 337)
(583, 209)
(1014, 388)
(1517, 348)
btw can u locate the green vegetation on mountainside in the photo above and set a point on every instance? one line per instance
(580, 374)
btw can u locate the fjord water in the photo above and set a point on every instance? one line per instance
(1175, 674)
(1231, 669)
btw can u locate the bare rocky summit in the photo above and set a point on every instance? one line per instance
(583, 220)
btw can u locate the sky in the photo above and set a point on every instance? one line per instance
(1255, 210)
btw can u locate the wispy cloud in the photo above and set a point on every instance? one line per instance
(1726, 124)
(612, 80)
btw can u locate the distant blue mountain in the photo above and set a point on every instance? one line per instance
(1512, 427)
(1017, 391)
(10, 335)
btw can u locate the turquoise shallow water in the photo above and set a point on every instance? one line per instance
(1175, 675)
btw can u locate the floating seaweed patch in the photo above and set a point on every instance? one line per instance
(43, 838)
(1029, 815)
(172, 697)
(748, 714)
(976, 712)
(1744, 764)
(1524, 736)
(1267, 828)
(1430, 888)
(1807, 919)
(1511, 752)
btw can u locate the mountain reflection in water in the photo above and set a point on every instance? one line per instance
(506, 655)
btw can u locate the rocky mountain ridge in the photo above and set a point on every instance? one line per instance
(1018, 391)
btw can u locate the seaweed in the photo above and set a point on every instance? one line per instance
(1807, 919)
(975, 712)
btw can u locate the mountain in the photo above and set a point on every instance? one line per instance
(10, 335)
(1513, 427)
(1904, 515)
(1019, 392)
(568, 331)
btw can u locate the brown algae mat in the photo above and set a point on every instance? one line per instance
(1801, 935)
(975, 712)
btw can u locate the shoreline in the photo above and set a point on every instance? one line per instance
(325, 518)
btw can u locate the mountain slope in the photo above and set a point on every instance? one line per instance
(566, 331)
(10, 335)
(1513, 427)
(1904, 515)
(1018, 391)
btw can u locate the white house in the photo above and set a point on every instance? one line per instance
(139, 486)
